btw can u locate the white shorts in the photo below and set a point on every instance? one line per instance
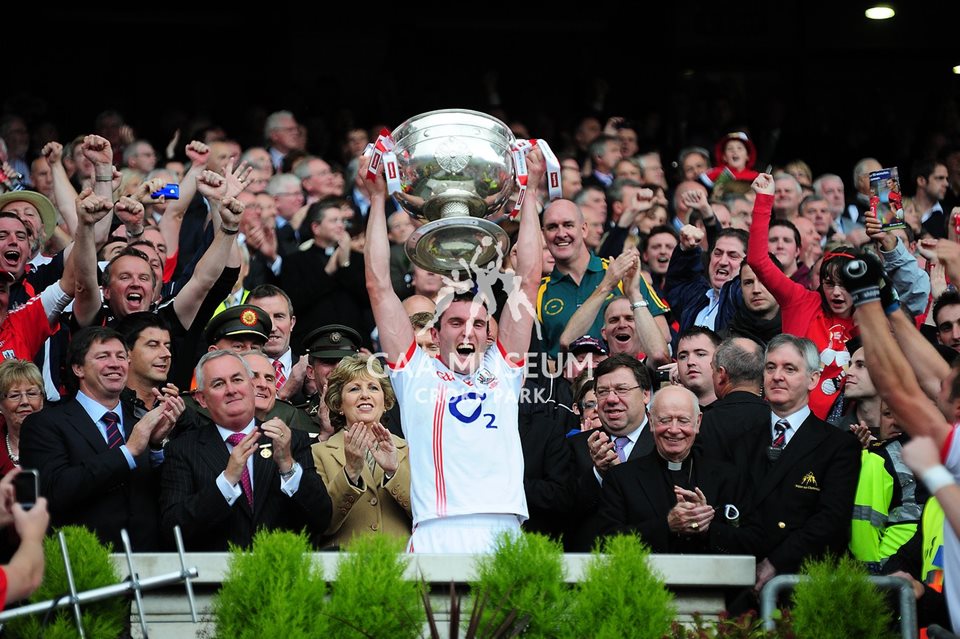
(461, 533)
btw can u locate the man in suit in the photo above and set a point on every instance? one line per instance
(98, 465)
(326, 281)
(677, 499)
(225, 480)
(739, 410)
(803, 471)
(623, 391)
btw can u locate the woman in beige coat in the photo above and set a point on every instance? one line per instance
(364, 467)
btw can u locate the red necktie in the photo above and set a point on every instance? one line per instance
(245, 484)
(281, 378)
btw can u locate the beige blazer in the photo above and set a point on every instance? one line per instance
(377, 508)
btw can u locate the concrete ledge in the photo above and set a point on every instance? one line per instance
(697, 581)
(710, 571)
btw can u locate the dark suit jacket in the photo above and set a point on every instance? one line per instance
(583, 527)
(190, 498)
(544, 419)
(636, 497)
(88, 484)
(288, 241)
(805, 498)
(320, 299)
(731, 423)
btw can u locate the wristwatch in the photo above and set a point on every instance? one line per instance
(640, 304)
(287, 475)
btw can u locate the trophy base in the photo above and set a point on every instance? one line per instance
(452, 244)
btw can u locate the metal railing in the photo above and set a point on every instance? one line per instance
(906, 599)
(133, 584)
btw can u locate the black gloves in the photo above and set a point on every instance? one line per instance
(866, 281)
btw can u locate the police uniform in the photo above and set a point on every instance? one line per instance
(329, 343)
(244, 320)
(559, 298)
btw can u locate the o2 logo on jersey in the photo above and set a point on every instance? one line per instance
(475, 413)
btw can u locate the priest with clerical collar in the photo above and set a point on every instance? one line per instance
(676, 499)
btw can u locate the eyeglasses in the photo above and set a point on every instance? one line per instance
(31, 395)
(621, 391)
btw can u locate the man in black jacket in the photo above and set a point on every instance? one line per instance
(802, 472)
(225, 480)
(98, 464)
(739, 410)
(677, 499)
(623, 391)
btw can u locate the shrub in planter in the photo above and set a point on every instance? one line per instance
(839, 602)
(92, 568)
(370, 596)
(525, 576)
(274, 589)
(620, 596)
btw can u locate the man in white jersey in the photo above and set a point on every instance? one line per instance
(459, 411)
(912, 401)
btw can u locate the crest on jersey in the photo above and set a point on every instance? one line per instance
(484, 376)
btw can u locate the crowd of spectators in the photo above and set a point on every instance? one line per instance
(188, 339)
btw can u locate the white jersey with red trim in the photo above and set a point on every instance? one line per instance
(951, 545)
(463, 436)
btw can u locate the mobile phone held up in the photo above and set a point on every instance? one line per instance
(26, 487)
(169, 192)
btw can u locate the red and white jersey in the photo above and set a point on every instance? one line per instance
(462, 433)
(23, 332)
(951, 544)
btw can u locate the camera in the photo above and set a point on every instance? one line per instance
(12, 182)
(169, 191)
(26, 486)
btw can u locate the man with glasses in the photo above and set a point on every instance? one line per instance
(677, 500)
(623, 391)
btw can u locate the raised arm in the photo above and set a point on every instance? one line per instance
(653, 339)
(222, 252)
(580, 322)
(929, 367)
(911, 282)
(396, 333)
(516, 323)
(172, 219)
(63, 192)
(98, 150)
(758, 251)
(889, 369)
(81, 264)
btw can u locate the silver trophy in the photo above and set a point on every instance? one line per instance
(456, 170)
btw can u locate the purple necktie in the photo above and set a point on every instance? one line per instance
(619, 445)
(111, 422)
(245, 484)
